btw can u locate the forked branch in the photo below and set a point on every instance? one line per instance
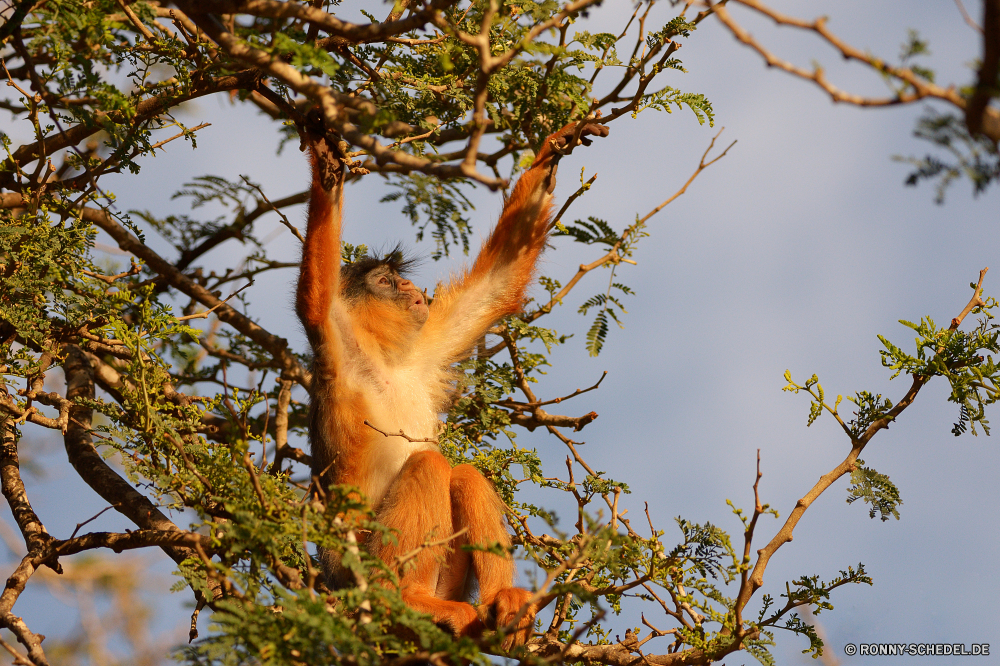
(983, 118)
(848, 465)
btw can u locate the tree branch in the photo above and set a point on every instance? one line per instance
(353, 32)
(92, 468)
(119, 542)
(32, 529)
(921, 88)
(848, 465)
(12, 590)
(144, 110)
(978, 118)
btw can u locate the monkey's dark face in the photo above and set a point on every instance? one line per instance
(379, 281)
(388, 286)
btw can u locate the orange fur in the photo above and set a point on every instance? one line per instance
(376, 362)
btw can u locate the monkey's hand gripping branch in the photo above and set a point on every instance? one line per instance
(562, 143)
(327, 164)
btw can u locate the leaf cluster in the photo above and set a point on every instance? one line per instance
(975, 158)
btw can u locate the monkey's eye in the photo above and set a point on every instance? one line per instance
(384, 281)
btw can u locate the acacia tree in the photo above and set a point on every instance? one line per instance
(175, 399)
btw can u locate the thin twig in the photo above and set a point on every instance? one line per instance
(179, 135)
(529, 405)
(284, 220)
(758, 509)
(848, 465)
(569, 201)
(135, 21)
(19, 659)
(613, 255)
(111, 279)
(968, 19)
(406, 557)
(89, 520)
(975, 302)
(921, 87)
(204, 315)
(401, 434)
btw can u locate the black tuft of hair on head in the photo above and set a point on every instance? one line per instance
(352, 275)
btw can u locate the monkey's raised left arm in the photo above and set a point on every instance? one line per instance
(318, 293)
(494, 287)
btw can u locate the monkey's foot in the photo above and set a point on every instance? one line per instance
(507, 608)
(458, 617)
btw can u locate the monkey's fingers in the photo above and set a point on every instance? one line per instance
(595, 129)
(590, 130)
(561, 143)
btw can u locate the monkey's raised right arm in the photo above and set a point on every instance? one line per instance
(319, 277)
(495, 285)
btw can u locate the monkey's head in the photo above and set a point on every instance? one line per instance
(380, 282)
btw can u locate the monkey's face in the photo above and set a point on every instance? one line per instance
(388, 286)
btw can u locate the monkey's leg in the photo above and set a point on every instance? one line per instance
(418, 507)
(476, 506)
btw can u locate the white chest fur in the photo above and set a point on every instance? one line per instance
(398, 400)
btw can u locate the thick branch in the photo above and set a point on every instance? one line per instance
(119, 542)
(353, 32)
(13, 22)
(978, 117)
(12, 590)
(35, 535)
(92, 468)
(539, 417)
(144, 110)
(620, 655)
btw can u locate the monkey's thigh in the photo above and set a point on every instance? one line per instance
(477, 508)
(418, 508)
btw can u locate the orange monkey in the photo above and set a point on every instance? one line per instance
(382, 355)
